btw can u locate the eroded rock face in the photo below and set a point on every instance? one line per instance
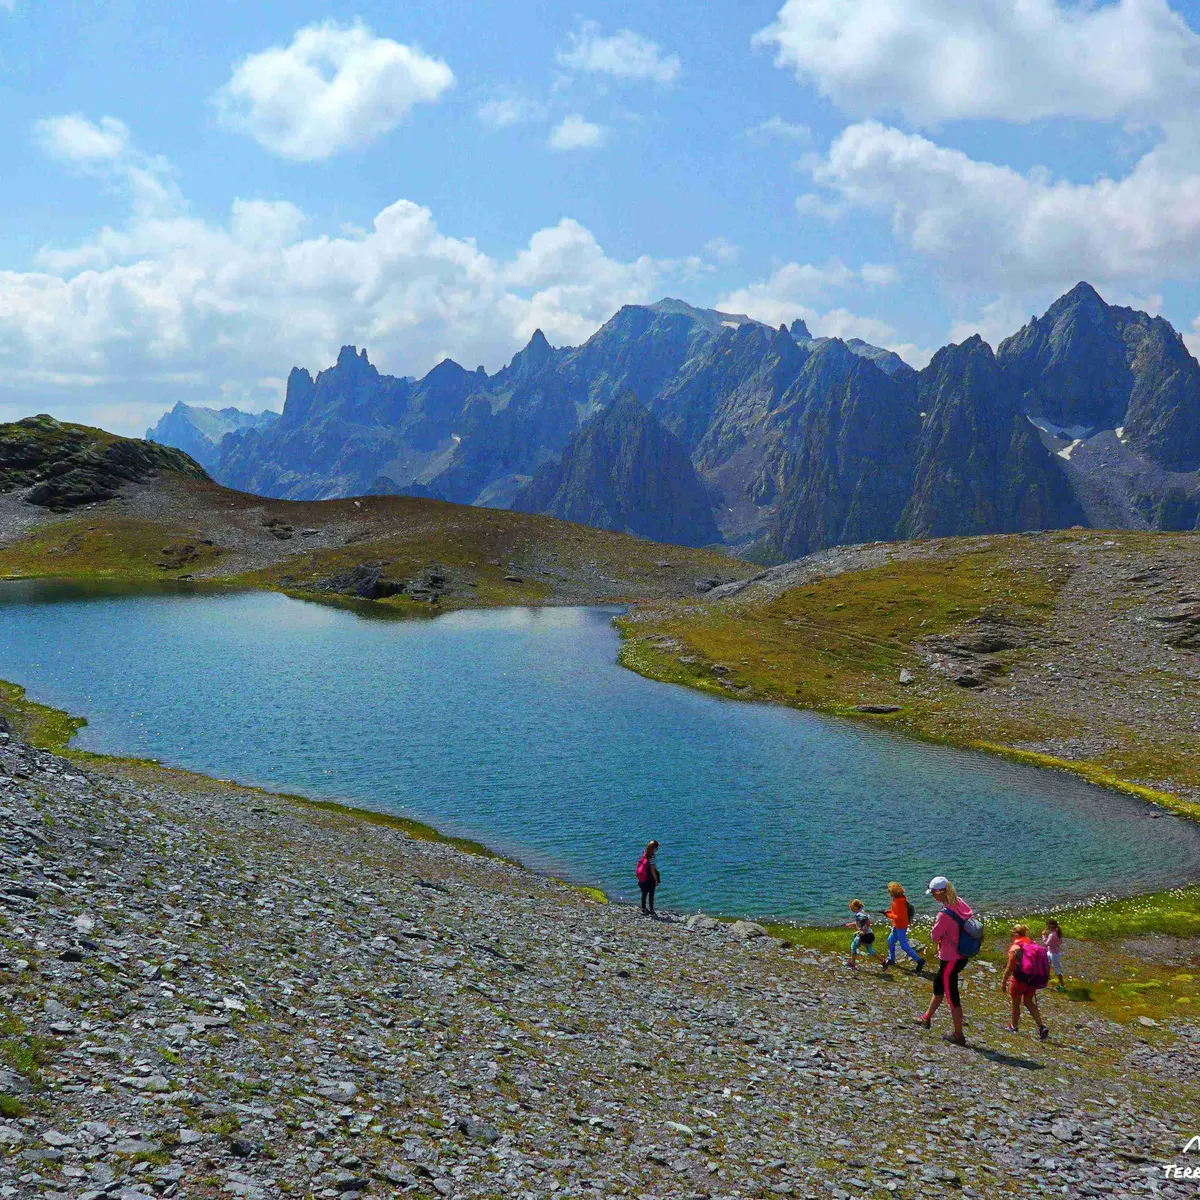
(65, 466)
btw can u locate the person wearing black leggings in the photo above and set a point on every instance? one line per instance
(944, 935)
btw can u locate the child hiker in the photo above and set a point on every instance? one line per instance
(1026, 972)
(648, 878)
(864, 935)
(900, 914)
(1052, 939)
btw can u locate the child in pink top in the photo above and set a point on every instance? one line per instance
(1052, 939)
(945, 936)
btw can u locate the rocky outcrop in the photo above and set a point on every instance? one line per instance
(623, 471)
(65, 466)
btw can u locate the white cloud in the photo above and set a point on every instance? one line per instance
(625, 55)
(989, 225)
(723, 250)
(333, 88)
(796, 289)
(505, 111)
(790, 291)
(841, 323)
(575, 287)
(879, 274)
(104, 148)
(777, 129)
(170, 306)
(73, 138)
(996, 321)
(812, 205)
(575, 133)
(1019, 60)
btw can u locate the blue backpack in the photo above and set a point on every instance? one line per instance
(970, 933)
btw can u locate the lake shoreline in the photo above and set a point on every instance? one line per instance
(666, 667)
(52, 729)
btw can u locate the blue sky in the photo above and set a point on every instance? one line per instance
(199, 197)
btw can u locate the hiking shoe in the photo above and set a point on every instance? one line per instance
(920, 965)
(1043, 1033)
(883, 966)
(1012, 1029)
(955, 1039)
(924, 1022)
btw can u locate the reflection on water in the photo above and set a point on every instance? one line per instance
(516, 727)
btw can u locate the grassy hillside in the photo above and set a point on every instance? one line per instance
(1072, 648)
(444, 555)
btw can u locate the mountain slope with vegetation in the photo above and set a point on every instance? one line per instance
(62, 466)
(134, 511)
(1076, 648)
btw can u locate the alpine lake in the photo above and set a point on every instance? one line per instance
(517, 728)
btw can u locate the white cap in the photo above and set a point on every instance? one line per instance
(937, 884)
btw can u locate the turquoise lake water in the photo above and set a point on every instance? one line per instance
(517, 728)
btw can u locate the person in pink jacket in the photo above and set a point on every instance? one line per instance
(944, 935)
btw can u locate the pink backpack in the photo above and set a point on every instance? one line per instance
(1033, 965)
(644, 875)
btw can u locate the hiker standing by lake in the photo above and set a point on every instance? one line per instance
(947, 933)
(900, 915)
(648, 878)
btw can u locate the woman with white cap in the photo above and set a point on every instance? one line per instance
(945, 936)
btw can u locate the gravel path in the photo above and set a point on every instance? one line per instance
(208, 991)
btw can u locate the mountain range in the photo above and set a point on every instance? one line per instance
(198, 431)
(702, 427)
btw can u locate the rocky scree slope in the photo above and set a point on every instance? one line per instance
(209, 991)
(62, 466)
(800, 442)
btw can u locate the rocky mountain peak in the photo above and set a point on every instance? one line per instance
(800, 331)
(624, 471)
(349, 356)
(537, 352)
(1082, 294)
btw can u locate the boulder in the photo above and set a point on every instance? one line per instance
(747, 930)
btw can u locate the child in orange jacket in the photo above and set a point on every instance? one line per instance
(900, 916)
